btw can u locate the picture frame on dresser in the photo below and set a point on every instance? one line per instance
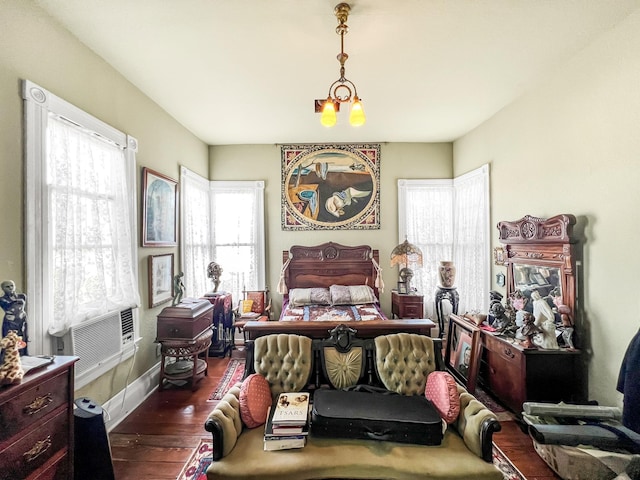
(159, 210)
(160, 279)
(463, 351)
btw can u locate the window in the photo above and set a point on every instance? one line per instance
(228, 228)
(449, 220)
(80, 216)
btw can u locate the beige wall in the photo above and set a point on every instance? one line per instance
(573, 146)
(398, 160)
(33, 47)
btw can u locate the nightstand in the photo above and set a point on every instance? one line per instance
(406, 305)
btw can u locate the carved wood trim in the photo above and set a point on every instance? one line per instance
(529, 229)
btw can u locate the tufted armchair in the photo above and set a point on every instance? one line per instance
(404, 361)
(284, 360)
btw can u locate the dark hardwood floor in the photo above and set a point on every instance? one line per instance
(157, 438)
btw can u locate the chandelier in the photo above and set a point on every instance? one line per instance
(342, 90)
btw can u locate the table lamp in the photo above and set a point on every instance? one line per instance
(406, 254)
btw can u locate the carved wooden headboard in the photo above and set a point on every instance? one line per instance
(330, 264)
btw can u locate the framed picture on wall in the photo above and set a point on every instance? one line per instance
(160, 279)
(462, 355)
(159, 210)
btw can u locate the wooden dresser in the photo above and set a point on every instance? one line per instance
(406, 305)
(36, 424)
(515, 374)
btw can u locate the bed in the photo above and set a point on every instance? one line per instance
(328, 285)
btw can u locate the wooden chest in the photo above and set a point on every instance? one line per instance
(36, 424)
(185, 321)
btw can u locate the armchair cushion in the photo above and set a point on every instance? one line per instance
(404, 361)
(442, 392)
(255, 400)
(284, 360)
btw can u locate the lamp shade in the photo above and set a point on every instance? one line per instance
(357, 117)
(328, 117)
(406, 253)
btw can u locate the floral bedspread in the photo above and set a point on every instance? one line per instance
(332, 313)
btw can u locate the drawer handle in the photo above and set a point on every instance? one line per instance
(38, 449)
(38, 404)
(509, 353)
(175, 330)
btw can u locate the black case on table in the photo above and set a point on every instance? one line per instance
(375, 416)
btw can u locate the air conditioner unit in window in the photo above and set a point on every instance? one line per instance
(100, 343)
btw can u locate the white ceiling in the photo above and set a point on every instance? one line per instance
(248, 71)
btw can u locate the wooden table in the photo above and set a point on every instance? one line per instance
(368, 329)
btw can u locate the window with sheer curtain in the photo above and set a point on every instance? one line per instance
(223, 221)
(81, 234)
(449, 220)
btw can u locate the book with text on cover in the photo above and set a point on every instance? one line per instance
(271, 431)
(273, 442)
(292, 408)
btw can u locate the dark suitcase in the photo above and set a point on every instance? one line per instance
(375, 416)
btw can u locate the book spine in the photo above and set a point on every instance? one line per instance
(271, 438)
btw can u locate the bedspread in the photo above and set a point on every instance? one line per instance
(328, 313)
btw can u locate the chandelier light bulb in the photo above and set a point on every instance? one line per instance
(328, 118)
(357, 116)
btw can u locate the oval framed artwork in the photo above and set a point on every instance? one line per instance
(330, 187)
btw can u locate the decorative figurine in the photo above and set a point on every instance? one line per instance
(15, 316)
(214, 271)
(11, 371)
(528, 330)
(178, 289)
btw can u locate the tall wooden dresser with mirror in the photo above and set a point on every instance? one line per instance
(540, 256)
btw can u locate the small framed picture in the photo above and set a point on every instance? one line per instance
(159, 210)
(498, 256)
(402, 288)
(462, 355)
(160, 279)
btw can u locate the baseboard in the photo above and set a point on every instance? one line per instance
(124, 402)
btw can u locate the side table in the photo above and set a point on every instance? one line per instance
(450, 294)
(188, 364)
(406, 305)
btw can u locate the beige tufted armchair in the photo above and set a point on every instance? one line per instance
(404, 361)
(284, 360)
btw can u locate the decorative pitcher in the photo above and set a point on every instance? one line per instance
(447, 271)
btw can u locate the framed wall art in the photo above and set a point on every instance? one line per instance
(462, 355)
(160, 279)
(330, 187)
(159, 210)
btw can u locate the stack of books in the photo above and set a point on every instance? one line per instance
(288, 422)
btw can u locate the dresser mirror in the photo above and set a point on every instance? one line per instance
(539, 256)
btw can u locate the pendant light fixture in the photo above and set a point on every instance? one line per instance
(342, 90)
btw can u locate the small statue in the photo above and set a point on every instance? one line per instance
(214, 271)
(178, 289)
(567, 326)
(11, 371)
(15, 316)
(528, 330)
(518, 300)
(547, 336)
(542, 311)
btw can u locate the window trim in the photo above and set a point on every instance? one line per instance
(38, 102)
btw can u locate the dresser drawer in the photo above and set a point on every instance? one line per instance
(33, 450)
(504, 350)
(411, 310)
(31, 405)
(58, 469)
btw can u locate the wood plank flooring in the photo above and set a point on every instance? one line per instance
(157, 438)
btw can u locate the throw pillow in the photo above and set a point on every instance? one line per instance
(246, 306)
(442, 392)
(255, 400)
(352, 295)
(258, 301)
(300, 297)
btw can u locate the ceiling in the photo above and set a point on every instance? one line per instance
(248, 71)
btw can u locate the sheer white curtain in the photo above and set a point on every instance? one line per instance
(472, 253)
(237, 209)
(449, 220)
(222, 221)
(196, 247)
(92, 266)
(426, 220)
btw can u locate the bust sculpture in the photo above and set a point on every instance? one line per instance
(214, 271)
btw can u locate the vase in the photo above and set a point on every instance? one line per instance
(447, 271)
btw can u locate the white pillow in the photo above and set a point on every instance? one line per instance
(352, 295)
(300, 297)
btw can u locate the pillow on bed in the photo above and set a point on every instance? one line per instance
(352, 295)
(300, 297)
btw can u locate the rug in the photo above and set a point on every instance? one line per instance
(232, 375)
(492, 404)
(196, 467)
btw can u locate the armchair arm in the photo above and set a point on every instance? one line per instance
(476, 425)
(225, 424)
